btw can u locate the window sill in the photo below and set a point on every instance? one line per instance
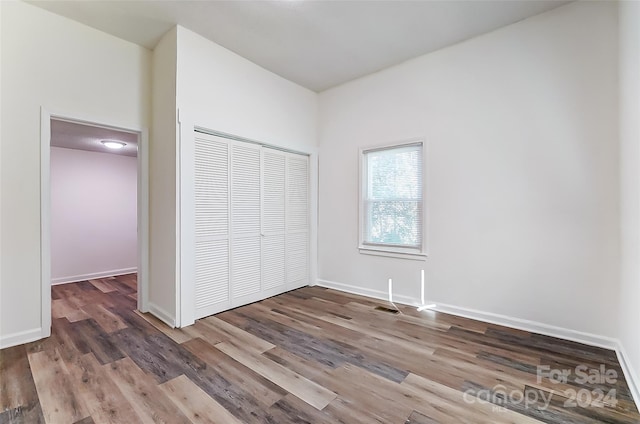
(392, 254)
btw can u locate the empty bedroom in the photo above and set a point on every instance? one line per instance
(399, 211)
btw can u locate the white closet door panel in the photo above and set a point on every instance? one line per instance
(251, 223)
(297, 240)
(297, 259)
(273, 191)
(245, 189)
(274, 163)
(245, 266)
(273, 262)
(211, 203)
(212, 276)
(298, 193)
(211, 188)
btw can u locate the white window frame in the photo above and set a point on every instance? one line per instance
(402, 252)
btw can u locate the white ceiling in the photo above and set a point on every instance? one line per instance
(317, 44)
(85, 137)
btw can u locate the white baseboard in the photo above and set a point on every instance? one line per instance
(83, 277)
(376, 294)
(528, 325)
(21, 337)
(633, 380)
(504, 320)
(162, 315)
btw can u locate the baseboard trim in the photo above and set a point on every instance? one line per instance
(83, 277)
(528, 325)
(504, 320)
(633, 381)
(376, 294)
(162, 315)
(21, 337)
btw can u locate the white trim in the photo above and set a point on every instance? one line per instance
(528, 325)
(398, 252)
(21, 337)
(313, 217)
(45, 206)
(185, 239)
(45, 222)
(162, 315)
(390, 254)
(633, 381)
(83, 277)
(376, 294)
(143, 220)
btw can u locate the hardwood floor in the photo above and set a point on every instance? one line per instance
(309, 356)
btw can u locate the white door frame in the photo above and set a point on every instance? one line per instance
(45, 206)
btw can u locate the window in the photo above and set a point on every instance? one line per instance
(391, 204)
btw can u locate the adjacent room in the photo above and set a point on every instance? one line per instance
(94, 179)
(304, 211)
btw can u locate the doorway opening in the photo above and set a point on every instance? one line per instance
(94, 218)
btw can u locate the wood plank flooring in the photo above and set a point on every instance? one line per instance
(308, 356)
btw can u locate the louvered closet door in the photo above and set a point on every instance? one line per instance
(273, 221)
(245, 223)
(297, 228)
(251, 223)
(212, 292)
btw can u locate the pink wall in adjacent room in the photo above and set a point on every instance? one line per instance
(93, 214)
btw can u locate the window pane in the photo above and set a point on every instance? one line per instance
(394, 222)
(394, 174)
(392, 205)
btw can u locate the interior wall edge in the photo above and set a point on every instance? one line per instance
(21, 337)
(162, 315)
(632, 378)
(102, 274)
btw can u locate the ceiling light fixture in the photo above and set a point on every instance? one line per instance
(113, 144)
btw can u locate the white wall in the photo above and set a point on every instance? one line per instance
(522, 193)
(93, 214)
(162, 182)
(225, 92)
(629, 322)
(69, 68)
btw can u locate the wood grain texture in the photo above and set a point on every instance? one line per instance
(109, 321)
(264, 391)
(146, 398)
(237, 336)
(301, 387)
(18, 395)
(102, 285)
(105, 402)
(312, 355)
(195, 403)
(58, 394)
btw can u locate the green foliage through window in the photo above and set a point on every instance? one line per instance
(392, 203)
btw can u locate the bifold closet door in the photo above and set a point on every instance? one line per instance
(274, 188)
(297, 221)
(251, 223)
(245, 241)
(212, 293)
